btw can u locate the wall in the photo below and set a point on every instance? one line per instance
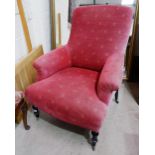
(62, 8)
(108, 1)
(37, 13)
(20, 44)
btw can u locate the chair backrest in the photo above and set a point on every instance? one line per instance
(97, 32)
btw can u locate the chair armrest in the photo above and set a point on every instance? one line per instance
(52, 62)
(110, 77)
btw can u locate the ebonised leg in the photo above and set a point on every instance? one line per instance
(94, 139)
(116, 97)
(35, 111)
(24, 109)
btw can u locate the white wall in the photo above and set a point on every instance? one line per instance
(37, 13)
(20, 44)
(108, 1)
(61, 6)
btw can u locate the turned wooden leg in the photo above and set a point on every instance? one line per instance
(94, 139)
(35, 111)
(24, 109)
(116, 97)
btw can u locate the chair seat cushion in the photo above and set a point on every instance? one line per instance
(70, 95)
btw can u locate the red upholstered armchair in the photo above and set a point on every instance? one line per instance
(75, 82)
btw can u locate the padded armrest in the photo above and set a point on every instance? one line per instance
(110, 77)
(52, 62)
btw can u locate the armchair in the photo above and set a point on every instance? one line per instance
(75, 82)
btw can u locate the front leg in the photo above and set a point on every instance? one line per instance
(116, 97)
(94, 139)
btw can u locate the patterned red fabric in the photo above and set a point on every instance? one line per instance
(97, 32)
(110, 77)
(70, 95)
(52, 62)
(76, 81)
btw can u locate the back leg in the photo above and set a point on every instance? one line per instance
(116, 97)
(35, 111)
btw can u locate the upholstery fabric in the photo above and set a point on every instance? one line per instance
(75, 82)
(70, 95)
(50, 63)
(110, 77)
(97, 32)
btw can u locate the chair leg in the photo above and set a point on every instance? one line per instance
(24, 109)
(94, 139)
(35, 111)
(116, 97)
